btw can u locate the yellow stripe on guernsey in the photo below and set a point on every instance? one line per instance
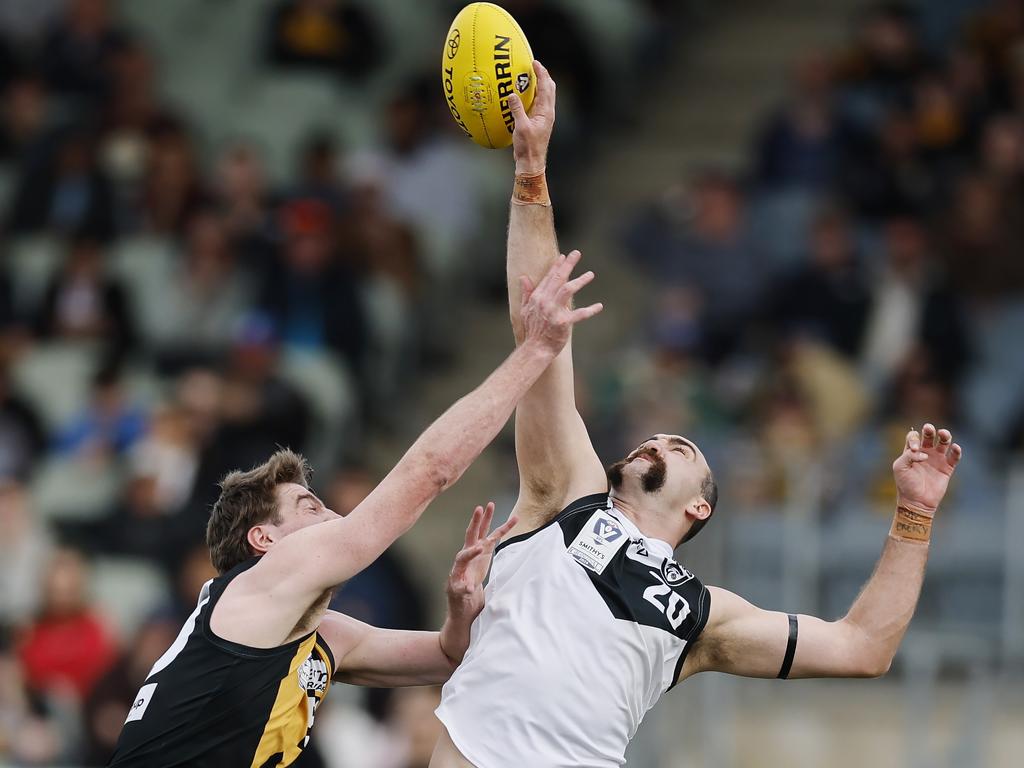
(301, 691)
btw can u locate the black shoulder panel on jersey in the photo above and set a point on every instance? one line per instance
(582, 504)
(665, 596)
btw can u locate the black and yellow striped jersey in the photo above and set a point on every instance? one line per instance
(211, 702)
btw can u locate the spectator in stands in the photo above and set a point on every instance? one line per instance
(713, 255)
(147, 521)
(417, 153)
(336, 37)
(78, 48)
(24, 551)
(173, 187)
(26, 122)
(168, 454)
(311, 298)
(880, 69)
(888, 174)
(131, 114)
(803, 143)
(109, 425)
(244, 200)
(318, 173)
(81, 301)
(385, 255)
(827, 297)
(68, 644)
(66, 193)
(259, 410)
(913, 309)
(982, 241)
(661, 380)
(193, 318)
(108, 704)
(36, 728)
(22, 437)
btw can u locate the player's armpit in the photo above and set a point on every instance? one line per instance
(742, 639)
(383, 658)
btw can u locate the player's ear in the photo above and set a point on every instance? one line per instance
(699, 509)
(260, 538)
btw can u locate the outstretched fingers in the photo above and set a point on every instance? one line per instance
(954, 455)
(464, 558)
(474, 528)
(928, 435)
(502, 530)
(574, 286)
(585, 313)
(544, 98)
(485, 522)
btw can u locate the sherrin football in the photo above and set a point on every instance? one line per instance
(486, 57)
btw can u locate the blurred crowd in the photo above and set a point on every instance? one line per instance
(859, 275)
(172, 308)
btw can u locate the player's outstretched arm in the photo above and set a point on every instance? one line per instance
(366, 655)
(556, 460)
(298, 568)
(744, 640)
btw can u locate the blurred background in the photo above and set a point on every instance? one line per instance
(233, 224)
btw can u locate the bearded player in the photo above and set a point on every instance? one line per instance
(242, 681)
(589, 618)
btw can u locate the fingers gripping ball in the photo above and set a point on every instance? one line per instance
(486, 57)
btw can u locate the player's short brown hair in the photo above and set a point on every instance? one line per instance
(248, 499)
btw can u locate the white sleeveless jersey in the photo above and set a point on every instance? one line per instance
(587, 622)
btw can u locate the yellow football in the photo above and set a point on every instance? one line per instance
(486, 57)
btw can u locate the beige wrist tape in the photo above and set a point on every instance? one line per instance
(909, 525)
(530, 189)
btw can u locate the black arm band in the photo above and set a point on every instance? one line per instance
(787, 660)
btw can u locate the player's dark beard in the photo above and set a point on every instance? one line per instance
(651, 481)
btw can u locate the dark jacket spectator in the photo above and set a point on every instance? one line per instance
(312, 297)
(67, 192)
(827, 298)
(78, 46)
(83, 302)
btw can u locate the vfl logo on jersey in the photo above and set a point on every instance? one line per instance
(598, 542)
(607, 529)
(674, 574)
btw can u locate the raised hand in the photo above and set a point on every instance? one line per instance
(547, 313)
(923, 470)
(533, 132)
(466, 582)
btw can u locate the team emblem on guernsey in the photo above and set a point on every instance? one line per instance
(313, 675)
(674, 574)
(598, 542)
(313, 679)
